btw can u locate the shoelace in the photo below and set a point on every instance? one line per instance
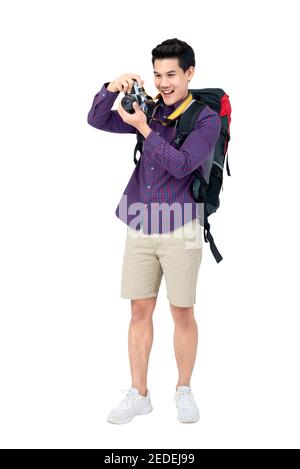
(185, 398)
(129, 398)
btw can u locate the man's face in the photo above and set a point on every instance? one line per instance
(168, 76)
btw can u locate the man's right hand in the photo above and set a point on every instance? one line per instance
(124, 83)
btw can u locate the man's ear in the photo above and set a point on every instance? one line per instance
(190, 71)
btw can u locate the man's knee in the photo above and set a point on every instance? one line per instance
(182, 315)
(142, 309)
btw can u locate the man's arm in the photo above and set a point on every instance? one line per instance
(193, 152)
(102, 117)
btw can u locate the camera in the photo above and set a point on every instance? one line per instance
(139, 95)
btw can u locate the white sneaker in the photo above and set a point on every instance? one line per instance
(187, 410)
(133, 404)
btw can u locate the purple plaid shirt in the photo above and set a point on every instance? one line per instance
(157, 197)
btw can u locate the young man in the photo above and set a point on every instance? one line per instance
(171, 246)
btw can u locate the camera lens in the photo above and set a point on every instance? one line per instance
(127, 103)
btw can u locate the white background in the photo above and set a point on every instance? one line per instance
(63, 323)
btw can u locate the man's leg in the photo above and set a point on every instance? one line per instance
(140, 338)
(185, 342)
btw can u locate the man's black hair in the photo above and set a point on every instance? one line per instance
(175, 48)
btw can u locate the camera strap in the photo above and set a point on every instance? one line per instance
(177, 112)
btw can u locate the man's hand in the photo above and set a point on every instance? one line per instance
(138, 119)
(124, 83)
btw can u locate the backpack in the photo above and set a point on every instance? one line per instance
(205, 189)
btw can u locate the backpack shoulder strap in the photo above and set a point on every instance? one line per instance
(186, 121)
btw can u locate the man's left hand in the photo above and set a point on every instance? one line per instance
(138, 119)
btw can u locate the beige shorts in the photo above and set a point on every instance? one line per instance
(176, 255)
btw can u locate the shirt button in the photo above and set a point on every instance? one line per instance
(152, 167)
(103, 94)
(157, 133)
(148, 187)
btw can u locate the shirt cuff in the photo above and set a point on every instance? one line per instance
(106, 97)
(152, 140)
(104, 88)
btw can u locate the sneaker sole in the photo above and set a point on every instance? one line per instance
(188, 420)
(111, 420)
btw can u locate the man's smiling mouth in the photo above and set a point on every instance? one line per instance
(167, 92)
